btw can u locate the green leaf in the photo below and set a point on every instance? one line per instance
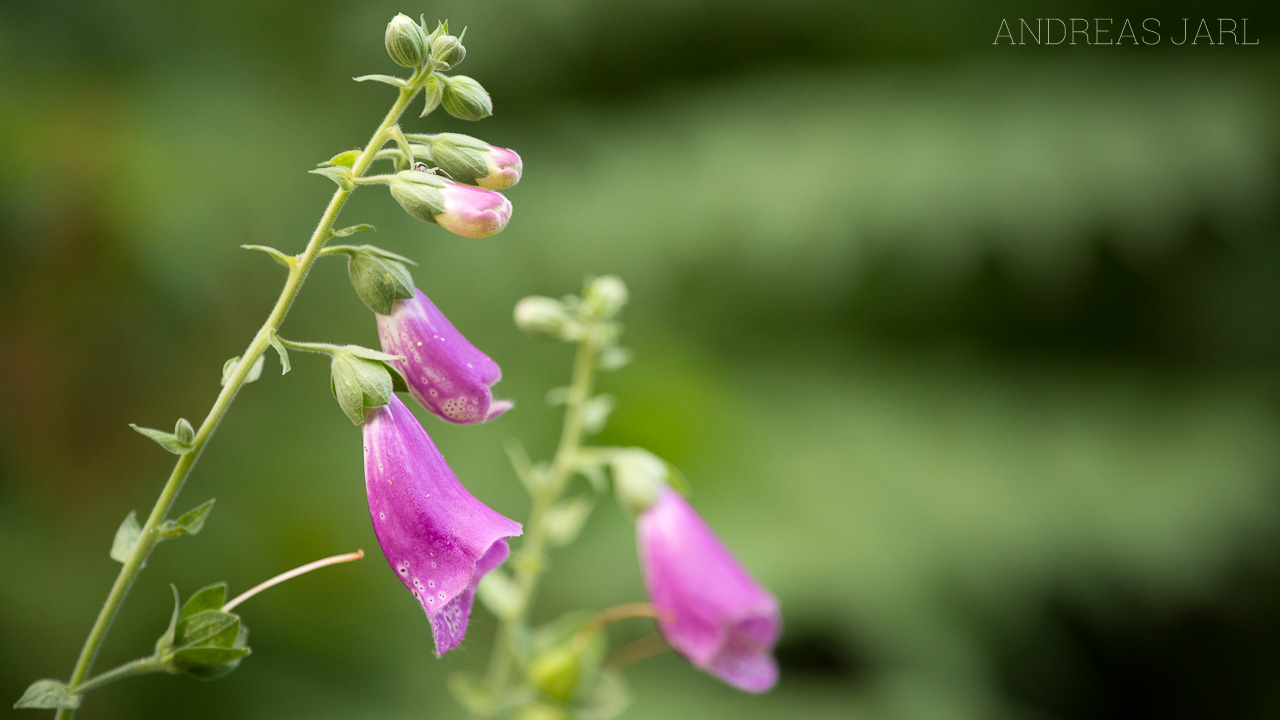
(498, 593)
(346, 158)
(188, 523)
(280, 350)
(48, 695)
(209, 597)
(286, 260)
(595, 413)
(126, 537)
(352, 230)
(165, 440)
(229, 368)
(383, 79)
(337, 173)
(564, 520)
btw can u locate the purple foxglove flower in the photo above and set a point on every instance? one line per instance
(446, 374)
(712, 611)
(438, 537)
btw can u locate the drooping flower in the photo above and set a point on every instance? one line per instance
(439, 538)
(461, 209)
(446, 374)
(711, 610)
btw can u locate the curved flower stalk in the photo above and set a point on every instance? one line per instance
(437, 536)
(710, 609)
(446, 374)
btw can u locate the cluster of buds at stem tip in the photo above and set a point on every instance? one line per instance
(573, 318)
(461, 209)
(410, 45)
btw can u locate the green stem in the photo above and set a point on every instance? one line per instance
(297, 275)
(529, 562)
(141, 666)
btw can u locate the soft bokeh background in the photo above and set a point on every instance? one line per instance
(969, 352)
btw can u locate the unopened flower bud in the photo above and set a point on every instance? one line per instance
(467, 211)
(447, 52)
(475, 162)
(606, 296)
(406, 43)
(556, 672)
(466, 99)
(538, 315)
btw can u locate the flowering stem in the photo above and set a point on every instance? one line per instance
(261, 341)
(529, 563)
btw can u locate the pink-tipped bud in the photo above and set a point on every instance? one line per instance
(472, 161)
(467, 211)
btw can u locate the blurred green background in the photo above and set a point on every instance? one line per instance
(969, 352)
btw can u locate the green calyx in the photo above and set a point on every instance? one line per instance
(379, 277)
(418, 192)
(466, 99)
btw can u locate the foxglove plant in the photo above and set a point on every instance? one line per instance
(444, 545)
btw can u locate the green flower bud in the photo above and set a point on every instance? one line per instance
(605, 297)
(557, 671)
(538, 315)
(447, 52)
(406, 43)
(466, 99)
(419, 194)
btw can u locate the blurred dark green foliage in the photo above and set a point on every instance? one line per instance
(969, 352)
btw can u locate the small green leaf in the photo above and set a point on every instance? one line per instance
(48, 695)
(126, 537)
(595, 413)
(286, 260)
(165, 440)
(188, 523)
(383, 79)
(337, 173)
(614, 357)
(280, 350)
(346, 158)
(498, 593)
(565, 520)
(352, 230)
(209, 597)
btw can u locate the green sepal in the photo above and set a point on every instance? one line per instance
(229, 369)
(188, 523)
(165, 643)
(212, 628)
(352, 230)
(361, 378)
(347, 158)
(339, 174)
(280, 350)
(564, 520)
(388, 79)
(499, 595)
(126, 537)
(379, 278)
(213, 672)
(168, 441)
(209, 597)
(288, 261)
(48, 695)
(433, 93)
(563, 659)
(191, 658)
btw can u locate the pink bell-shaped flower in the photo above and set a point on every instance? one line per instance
(446, 374)
(439, 538)
(710, 610)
